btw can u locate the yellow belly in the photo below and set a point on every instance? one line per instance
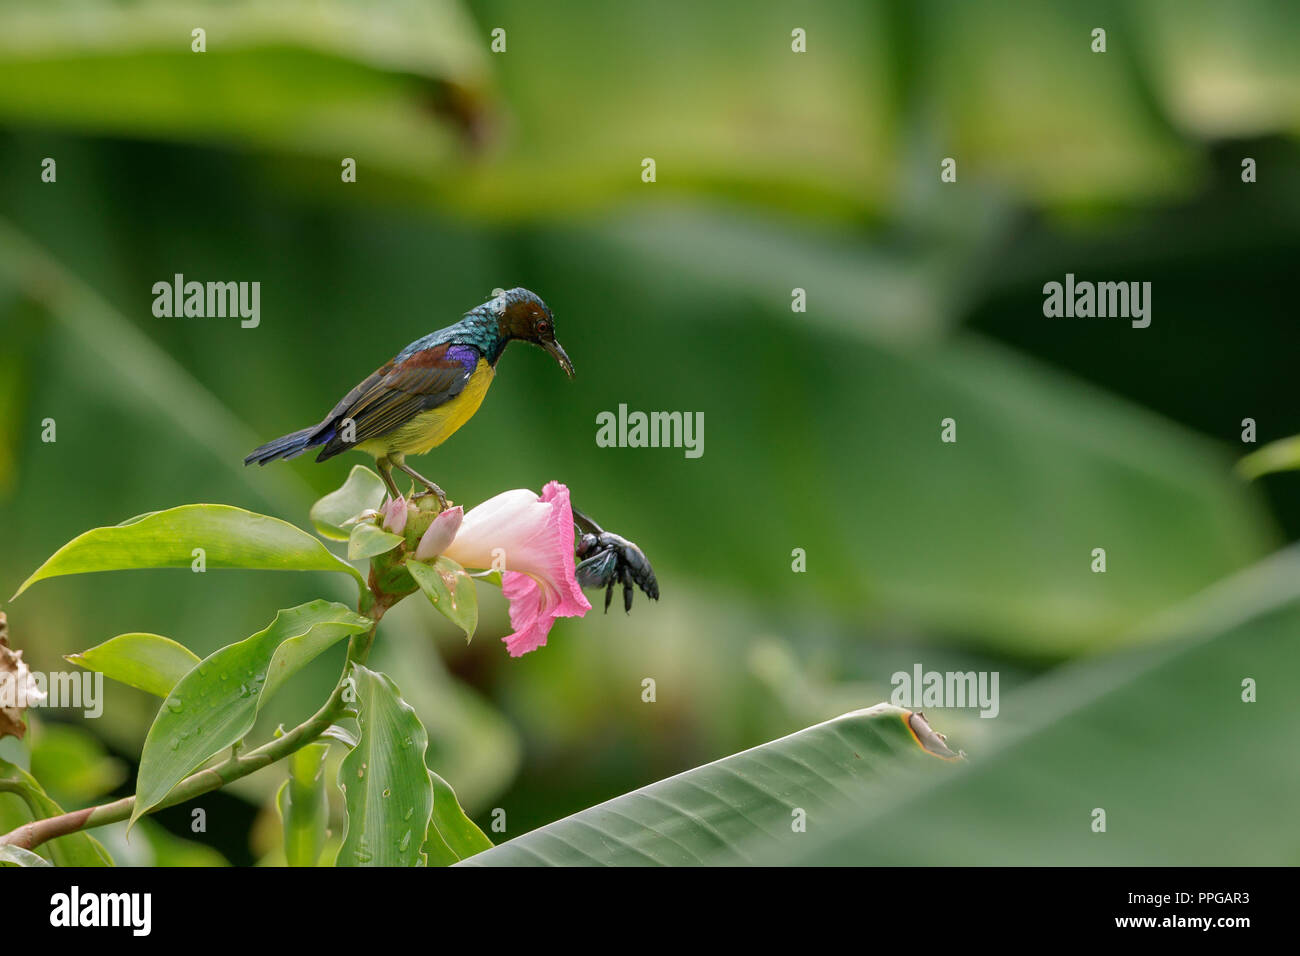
(432, 428)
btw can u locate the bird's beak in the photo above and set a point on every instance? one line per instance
(561, 356)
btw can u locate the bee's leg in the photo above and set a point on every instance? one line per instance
(609, 594)
(400, 462)
(627, 591)
(386, 472)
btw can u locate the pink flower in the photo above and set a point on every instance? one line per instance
(534, 537)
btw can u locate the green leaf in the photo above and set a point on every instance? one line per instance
(164, 848)
(389, 796)
(230, 538)
(74, 849)
(149, 662)
(363, 491)
(329, 65)
(470, 740)
(304, 806)
(17, 856)
(217, 702)
(452, 835)
(72, 764)
(729, 811)
(151, 844)
(449, 589)
(341, 734)
(1187, 771)
(1280, 455)
(368, 541)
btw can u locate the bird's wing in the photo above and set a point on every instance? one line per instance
(398, 392)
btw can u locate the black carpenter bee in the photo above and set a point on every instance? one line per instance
(606, 558)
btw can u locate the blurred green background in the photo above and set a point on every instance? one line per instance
(775, 170)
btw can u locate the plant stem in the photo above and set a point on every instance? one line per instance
(31, 835)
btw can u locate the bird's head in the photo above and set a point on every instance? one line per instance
(523, 315)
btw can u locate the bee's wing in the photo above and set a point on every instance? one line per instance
(586, 524)
(598, 570)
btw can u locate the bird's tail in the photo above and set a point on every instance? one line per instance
(286, 446)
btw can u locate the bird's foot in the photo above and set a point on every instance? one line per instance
(434, 492)
(442, 498)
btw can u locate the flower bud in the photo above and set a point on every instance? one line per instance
(440, 534)
(395, 515)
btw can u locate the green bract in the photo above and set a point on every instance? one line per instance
(368, 541)
(449, 589)
(363, 491)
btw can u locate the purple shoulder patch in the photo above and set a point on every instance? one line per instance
(466, 355)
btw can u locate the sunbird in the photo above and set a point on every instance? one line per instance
(427, 391)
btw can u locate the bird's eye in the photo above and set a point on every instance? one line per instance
(543, 326)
